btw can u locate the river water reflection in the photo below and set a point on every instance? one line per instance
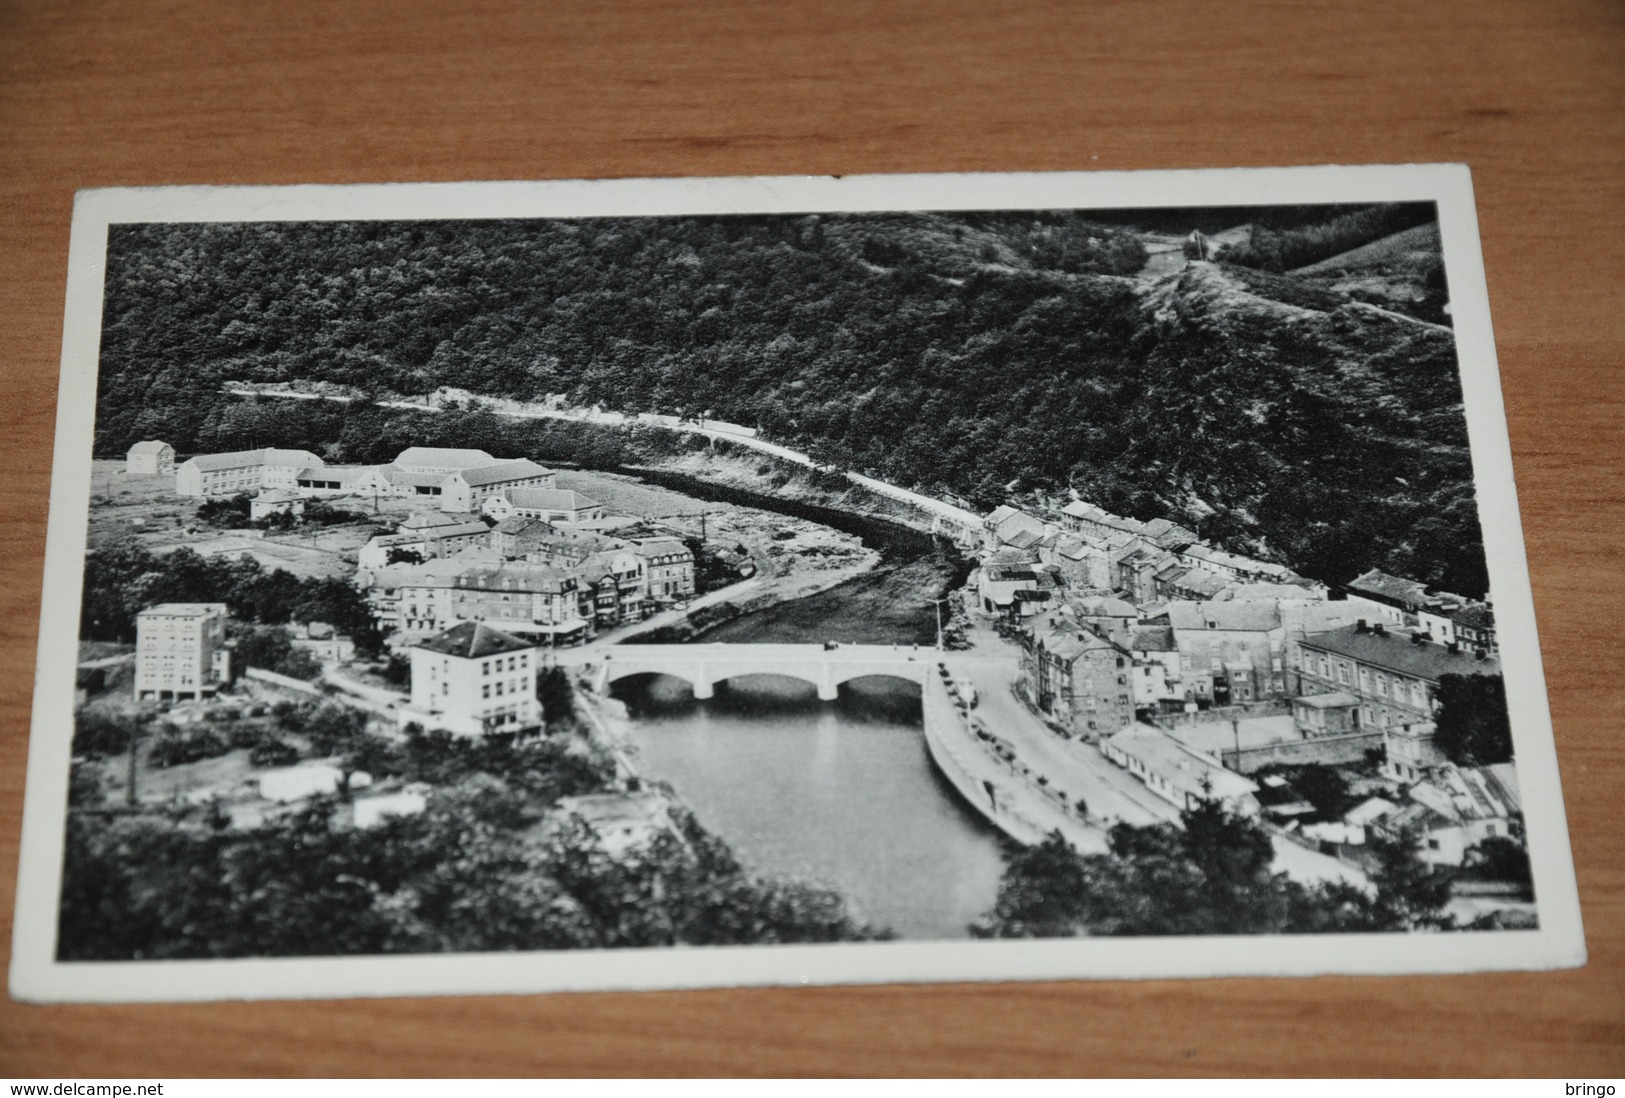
(841, 794)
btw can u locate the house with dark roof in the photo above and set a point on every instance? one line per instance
(1395, 678)
(473, 680)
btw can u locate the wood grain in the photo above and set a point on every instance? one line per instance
(1531, 95)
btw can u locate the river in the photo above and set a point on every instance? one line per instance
(839, 794)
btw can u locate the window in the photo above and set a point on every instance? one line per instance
(485, 691)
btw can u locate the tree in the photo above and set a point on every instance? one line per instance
(270, 648)
(1213, 875)
(399, 555)
(1473, 726)
(1501, 859)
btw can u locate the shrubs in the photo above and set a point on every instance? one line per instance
(177, 747)
(97, 732)
(273, 752)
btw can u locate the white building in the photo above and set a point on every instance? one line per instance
(149, 458)
(242, 471)
(559, 506)
(275, 501)
(180, 650)
(439, 460)
(473, 680)
(1177, 773)
(468, 489)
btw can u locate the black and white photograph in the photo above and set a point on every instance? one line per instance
(522, 587)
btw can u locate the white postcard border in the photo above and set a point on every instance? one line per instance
(37, 976)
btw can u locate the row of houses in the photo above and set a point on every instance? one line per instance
(1087, 549)
(527, 577)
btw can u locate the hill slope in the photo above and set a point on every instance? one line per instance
(983, 354)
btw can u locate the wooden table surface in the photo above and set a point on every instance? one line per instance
(1531, 95)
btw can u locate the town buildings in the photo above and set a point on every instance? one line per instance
(152, 457)
(1079, 675)
(1180, 774)
(1393, 679)
(207, 475)
(1456, 809)
(1438, 616)
(467, 490)
(668, 566)
(1230, 652)
(473, 680)
(180, 650)
(275, 501)
(558, 506)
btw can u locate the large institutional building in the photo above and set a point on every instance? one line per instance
(180, 650)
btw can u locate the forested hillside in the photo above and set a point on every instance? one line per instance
(986, 355)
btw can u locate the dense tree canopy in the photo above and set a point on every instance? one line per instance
(1213, 875)
(123, 580)
(473, 873)
(980, 355)
(1474, 728)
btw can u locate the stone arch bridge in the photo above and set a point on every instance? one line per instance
(703, 666)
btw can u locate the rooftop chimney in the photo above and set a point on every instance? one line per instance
(1380, 629)
(1361, 626)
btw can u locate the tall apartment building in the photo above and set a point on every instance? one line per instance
(180, 650)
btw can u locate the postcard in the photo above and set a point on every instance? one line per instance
(525, 587)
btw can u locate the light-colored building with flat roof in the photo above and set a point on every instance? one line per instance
(180, 650)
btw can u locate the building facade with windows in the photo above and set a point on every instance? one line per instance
(207, 475)
(180, 650)
(473, 680)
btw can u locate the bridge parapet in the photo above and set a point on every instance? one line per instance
(705, 665)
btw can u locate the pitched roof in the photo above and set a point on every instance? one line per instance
(443, 457)
(459, 530)
(150, 446)
(1223, 559)
(1388, 588)
(522, 469)
(426, 520)
(659, 547)
(1337, 699)
(1152, 638)
(1104, 606)
(398, 476)
(344, 474)
(472, 640)
(184, 609)
(1164, 755)
(240, 459)
(519, 576)
(1247, 617)
(1397, 653)
(550, 499)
